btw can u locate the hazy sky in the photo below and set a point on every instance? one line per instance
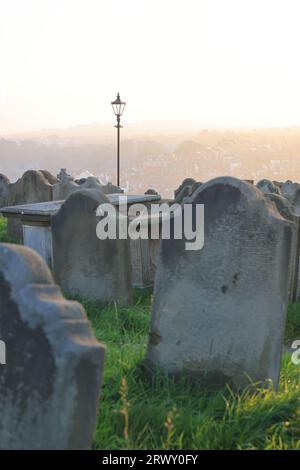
(216, 62)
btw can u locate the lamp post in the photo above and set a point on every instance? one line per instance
(118, 106)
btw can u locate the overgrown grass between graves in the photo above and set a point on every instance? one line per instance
(3, 233)
(139, 412)
(4, 238)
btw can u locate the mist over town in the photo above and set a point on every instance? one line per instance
(150, 150)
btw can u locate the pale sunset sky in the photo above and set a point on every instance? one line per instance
(217, 63)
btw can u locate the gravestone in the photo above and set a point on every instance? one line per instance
(291, 191)
(63, 189)
(32, 187)
(187, 188)
(110, 188)
(286, 210)
(49, 177)
(66, 187)
(219, 312)
(141, 268)
(4, 190)
(92, 182)
(278, 184)
(196, 186)
(63, 175)
(151, 191)
(267, 186)
(184, 189)
(83, 264)
(186, 182)
(49, 386)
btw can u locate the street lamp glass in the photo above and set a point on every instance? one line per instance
(118, 106)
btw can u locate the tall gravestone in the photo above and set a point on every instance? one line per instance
(34, 186)
(83, 264)
(285, 208)
(219, 313)
(49, 386)
(291, 191)
(4, 190)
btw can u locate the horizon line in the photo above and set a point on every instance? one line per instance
(197, 127)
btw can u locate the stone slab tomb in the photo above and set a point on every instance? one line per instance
(50, 384)
(83, 264)
(219, 313)
(34, 186)
(37, 234)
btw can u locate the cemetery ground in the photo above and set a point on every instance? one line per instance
(142, 411)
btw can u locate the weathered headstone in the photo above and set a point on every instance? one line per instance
(83, 264)
(49, 177)
(278, 184)
(141, 268)
(92, 182)
(63, 175)
(286, 210)
(151, 191)
(66, 187)
(32, 187)
(291, 191)
(187, 188)
(219, 313)
(184, 189)
(110, 188)
(49, 386)
(185, 182)
(4, 190)
(63, 189)
(196, 186)
(267, 186)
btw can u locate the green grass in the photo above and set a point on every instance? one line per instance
(139, 412)
(3, 234)
(292, 330)
(4, 238)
